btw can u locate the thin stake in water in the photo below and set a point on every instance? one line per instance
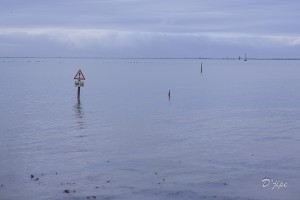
(201, 67)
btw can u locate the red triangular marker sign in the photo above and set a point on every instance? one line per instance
(79, 75)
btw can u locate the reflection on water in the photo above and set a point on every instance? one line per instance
(79, 115)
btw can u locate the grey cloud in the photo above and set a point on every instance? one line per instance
(137, 26)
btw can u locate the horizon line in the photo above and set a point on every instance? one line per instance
(191, 58)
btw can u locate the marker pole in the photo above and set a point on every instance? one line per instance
(78, 93)
(79, 76)
(201, 67)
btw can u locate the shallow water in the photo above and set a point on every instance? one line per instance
(218, 136)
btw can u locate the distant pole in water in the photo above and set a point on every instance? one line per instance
(201, 67)
(245, 57)
(169, 95)
(79, 76)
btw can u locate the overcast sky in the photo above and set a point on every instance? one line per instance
(150, 28)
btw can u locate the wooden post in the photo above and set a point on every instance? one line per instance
(78, 93)
(201, 67)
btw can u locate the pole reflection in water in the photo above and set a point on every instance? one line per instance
(79, 115)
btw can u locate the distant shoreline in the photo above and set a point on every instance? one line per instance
(144, 58)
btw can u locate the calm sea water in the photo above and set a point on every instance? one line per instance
(218, 136)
